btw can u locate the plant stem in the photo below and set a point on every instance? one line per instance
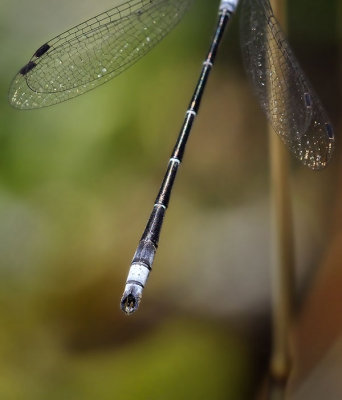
(282, 249)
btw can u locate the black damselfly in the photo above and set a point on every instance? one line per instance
(99, 49)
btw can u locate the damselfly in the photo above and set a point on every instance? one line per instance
(102, 47)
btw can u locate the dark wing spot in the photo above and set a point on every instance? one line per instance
(330, 130)
(42, 50)
(27, 68)
(308, 101)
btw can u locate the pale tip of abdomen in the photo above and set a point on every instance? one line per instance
(131, 298)
(136, 280)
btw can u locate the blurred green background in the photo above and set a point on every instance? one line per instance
(77, 183)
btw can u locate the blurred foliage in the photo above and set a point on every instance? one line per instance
(184, 359)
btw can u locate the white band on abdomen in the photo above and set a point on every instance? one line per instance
(138, 273)
(229, 5)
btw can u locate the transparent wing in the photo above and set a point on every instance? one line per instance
(285, 94)
(93, 52)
